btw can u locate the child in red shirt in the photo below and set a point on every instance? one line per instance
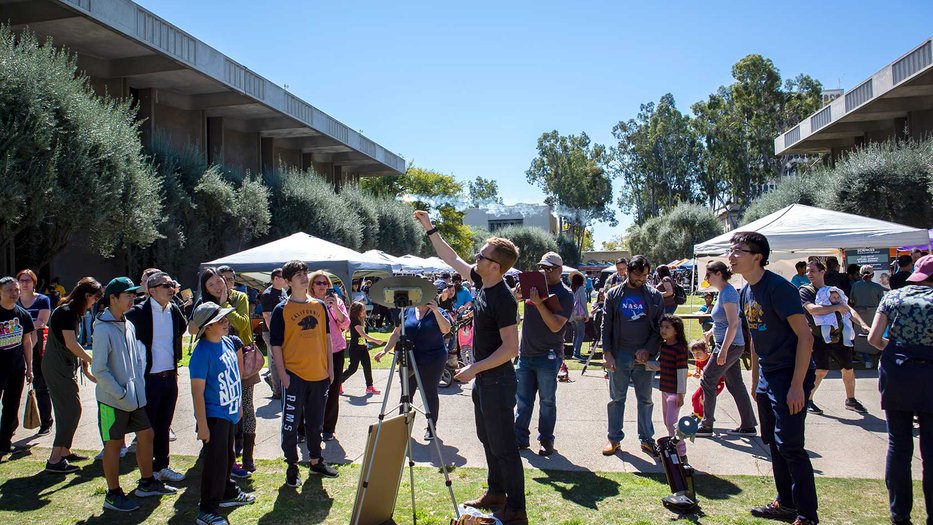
(701, 356)
(674, 368)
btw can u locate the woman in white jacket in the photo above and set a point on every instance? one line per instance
(119, 364)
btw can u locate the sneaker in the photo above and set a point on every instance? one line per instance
(44, 430)
(292, 477)
(75, 457)
(747, 431)
(242, 498)
(119, 502)
(239, 472)
(341, 389)
(154, 487)
(428, 435)
(372, 390)
(12, 451)
(803, 521)
(853, 405)
(209, 518)
(813, 409)
(774, 511)
(704, 432)
(171, 435)
(62, 467)
(547, 448)
(327, 436)
(168, 474)
(99, 456)
(322, 468)
(649, 447)
(301, 437)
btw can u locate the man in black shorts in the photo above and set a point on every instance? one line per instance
(835, 349)
(495, 344)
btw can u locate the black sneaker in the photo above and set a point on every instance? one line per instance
(153, 487)
(853, 405)
(44, 430)
(117, 500)
(242, 498)
(704, 432)
(12, 451)
(76, 457)
(323, 469)
(62, 467)
(327, 436)
(747, 431)
(546, 449)
(813, 409)
(209, 518)
(774, 511)
(428, 435)
(648, 447)
(292, 477)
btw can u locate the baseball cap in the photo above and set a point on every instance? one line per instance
(118, 285)
(923, 269)
(205, 315)
(551, 259)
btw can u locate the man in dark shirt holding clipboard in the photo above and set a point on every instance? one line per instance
(495, 344)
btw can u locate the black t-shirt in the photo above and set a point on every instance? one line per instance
(270, 298)
(494, 308)
(808, 296)
(446, 304)
(765, 307)
(14, 324)
(354, 335)
(537, 338)
(839, 280)
(63, 318)
(899, 280)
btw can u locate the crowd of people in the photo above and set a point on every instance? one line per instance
(792, 330)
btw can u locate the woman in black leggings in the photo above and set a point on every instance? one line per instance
(425, 327)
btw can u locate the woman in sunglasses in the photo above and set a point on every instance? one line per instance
(323, 290)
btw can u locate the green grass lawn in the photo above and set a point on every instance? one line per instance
(28, 495)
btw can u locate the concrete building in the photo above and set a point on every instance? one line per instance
(191, 93)
(498, 216)
(897, 101)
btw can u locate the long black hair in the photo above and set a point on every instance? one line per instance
(78, 296)
(205, 276)
(678, 325)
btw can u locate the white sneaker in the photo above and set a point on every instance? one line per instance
(100, 455)
(171, 435)
(169, 475)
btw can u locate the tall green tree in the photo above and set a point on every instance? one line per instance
(672, 235)
(571, 172)
(483, 192)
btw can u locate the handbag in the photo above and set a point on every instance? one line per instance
(31, 417)
(253, 361)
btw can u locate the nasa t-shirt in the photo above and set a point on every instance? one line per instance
(14, 324)
(633, 312)
(216, 364)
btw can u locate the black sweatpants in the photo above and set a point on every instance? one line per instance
(12, 378)
(359, 355)
(307, 399)
(218, 458)
(161, 396)
(332, 410)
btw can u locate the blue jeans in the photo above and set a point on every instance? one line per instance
(536, 374)
(579, 332)
(628, 371)
(784, 433)
(900, 454)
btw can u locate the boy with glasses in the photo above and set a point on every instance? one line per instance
(782, 375)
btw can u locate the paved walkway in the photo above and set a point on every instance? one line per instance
(841, 443)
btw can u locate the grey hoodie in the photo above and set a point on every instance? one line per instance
(119, 363)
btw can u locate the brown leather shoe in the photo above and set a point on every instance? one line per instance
(511, 517)
(487, 501)
(611, 448)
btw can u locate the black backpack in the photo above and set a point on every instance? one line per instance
(680, 295)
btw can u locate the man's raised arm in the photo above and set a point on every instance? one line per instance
(444, 251)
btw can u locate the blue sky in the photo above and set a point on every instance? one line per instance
(466, 88)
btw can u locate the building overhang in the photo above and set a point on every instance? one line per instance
(873, 106)
(118, 39)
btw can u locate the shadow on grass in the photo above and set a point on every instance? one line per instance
(586, 489)
(312, 504)
(707, 486)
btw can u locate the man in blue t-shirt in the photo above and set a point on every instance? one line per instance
(540, 353)
(463, 298)
(782, 375)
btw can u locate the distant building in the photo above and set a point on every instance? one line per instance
(598, 260)
(497, 216)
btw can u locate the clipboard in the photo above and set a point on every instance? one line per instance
(529, 280)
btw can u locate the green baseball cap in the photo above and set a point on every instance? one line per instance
(118, 285)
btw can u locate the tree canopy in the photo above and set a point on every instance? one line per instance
(672, 235)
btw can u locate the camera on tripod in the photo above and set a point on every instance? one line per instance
(402, 292)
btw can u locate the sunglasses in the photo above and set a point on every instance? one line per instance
(321, 283)
(544, 268)
(479, 257)
(163, 285)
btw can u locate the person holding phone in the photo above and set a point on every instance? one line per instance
(338, 318)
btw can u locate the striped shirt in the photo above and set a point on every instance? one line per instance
(672, 358)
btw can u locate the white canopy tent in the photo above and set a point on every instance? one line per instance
(257, 263)
(800, 228)
(399, 265)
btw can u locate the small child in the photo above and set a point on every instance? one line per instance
(674, 368)
(215, 391)
(828, 296)
(701, 356)
(359, 352)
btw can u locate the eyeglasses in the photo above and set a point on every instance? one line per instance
(321, 283)
(544, 268)
(163, 285)
(25, 280)
(479, 257)
(735, 250)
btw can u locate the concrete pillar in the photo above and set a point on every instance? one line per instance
(307, 163)
(266, 154)
(146, 99)
(215, 140)
(901, 128)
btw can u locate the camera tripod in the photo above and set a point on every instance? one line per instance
(404, 358)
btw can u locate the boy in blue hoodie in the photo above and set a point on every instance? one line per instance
(119, 364)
